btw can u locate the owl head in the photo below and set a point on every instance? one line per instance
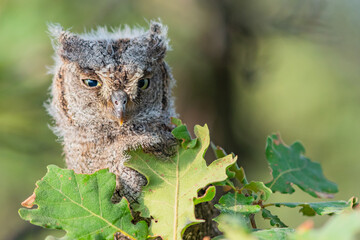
(111, 83)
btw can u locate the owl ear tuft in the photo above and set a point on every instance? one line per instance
(159, 43)
(157, 28)
(55, 30)
(65, 43)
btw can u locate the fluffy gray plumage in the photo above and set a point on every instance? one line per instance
(88, 119)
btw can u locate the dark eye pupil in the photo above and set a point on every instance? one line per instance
(91, 83)
(141, 83)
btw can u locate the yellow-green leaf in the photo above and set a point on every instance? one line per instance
(173, 183)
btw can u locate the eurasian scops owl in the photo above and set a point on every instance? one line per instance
(111, 92)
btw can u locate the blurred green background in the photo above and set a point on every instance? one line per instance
(247, 68)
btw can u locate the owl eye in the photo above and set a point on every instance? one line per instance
(91, 83)
(144, 83)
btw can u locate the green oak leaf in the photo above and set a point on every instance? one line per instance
(220, 237)
(259, 187)
(322, 208)
(274, 234)
(173, 183)
(344, 226)
(237, 204)
(239, 173)
(274, 219)
(176, 121)
(183, 134)
(81, 205)
(234, 228)
(289, 166)
(208, 196)
(220, 153)
(233, 172)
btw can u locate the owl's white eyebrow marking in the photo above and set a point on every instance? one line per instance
(137, 76)
(107, 71)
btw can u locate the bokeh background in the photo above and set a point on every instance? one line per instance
(247, 68)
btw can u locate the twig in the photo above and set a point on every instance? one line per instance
(252, 221)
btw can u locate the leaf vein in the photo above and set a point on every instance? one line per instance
(85, 208)
(156, 173)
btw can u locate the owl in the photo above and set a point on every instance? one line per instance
(112, 92)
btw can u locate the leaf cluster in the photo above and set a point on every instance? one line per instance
(81, 204)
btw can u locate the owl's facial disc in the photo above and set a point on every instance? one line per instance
(119, 100)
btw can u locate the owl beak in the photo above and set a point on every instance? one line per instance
(119, 100)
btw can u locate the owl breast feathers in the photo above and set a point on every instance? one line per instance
(111, 92)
